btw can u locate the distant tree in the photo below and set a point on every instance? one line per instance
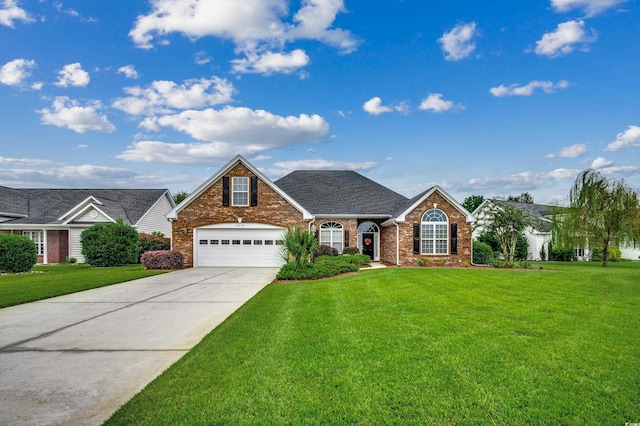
(179, 196)
(525, 198)
(602, 212)
(507, 223)
(472, 202)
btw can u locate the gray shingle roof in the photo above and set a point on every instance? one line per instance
(13, 202)
(539, 211)
(334, 192)
(46, 206)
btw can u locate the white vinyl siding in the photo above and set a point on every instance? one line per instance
(75, 248)
(92, 215)
(155, 219)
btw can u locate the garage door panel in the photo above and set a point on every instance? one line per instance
(239, 247)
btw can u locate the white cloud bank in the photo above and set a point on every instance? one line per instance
(528, 89)
(282, 168)
(72, 75)
(227, 132)
(13, 73)
(590, 7)
(164, 97)
(565, 39)
(256, 27)
(68, 113)
(627, 139)
(10, 12)
(458, 43)
(572, 151)
(129, 71)
(435, 103)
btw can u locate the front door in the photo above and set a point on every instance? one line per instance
(367, 244)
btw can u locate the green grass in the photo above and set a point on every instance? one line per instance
(416, 346)
(55, 280)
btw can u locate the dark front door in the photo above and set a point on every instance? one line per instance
(367, 245)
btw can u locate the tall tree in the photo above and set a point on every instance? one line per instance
(525, 198)
(602, 212)
(507, 223)
(179, 196)
(472, 202)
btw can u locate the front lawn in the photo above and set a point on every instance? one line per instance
(48, 281)
(416, 346)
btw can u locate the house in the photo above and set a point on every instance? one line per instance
(539, 237)
(55, 218)
(238, 217)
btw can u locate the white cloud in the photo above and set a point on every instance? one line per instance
(129, 71)
(282, 168)
(435, 103)
(166, 96)
(271, 62)
(13, 73)
(590, 7)
(37, 85)
(572, 151)
(374, 107)
(567, 37)
(9, 12)
(202, 58)
(24, 162)
(72, 75)
(520, 181)
(227, 131)
(627, 139)
(458, 43)
(255, 26)
(528, 89)
(69, 113)
(600, 163)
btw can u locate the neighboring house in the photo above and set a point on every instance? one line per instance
(55, 218)
(238, 218)
(540, 236)
(537, 237)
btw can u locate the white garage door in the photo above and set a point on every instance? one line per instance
(245, 245)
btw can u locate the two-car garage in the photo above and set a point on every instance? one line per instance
(238, 245)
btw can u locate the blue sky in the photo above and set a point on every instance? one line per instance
(487, 98)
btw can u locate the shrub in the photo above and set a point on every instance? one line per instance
(17, 253)
(522, 246)
(299, 245)
(324, 250)
(324, 266)
(153, 242)
(482, 253)
(110, 244)
(351, 250)
(161, 259)
(615, 254)
(562, 254)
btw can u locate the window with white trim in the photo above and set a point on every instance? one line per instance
(37, 237)
(331, 235)
(435, 232)
(240, 191)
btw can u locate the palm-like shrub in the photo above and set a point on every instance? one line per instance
(298, 245)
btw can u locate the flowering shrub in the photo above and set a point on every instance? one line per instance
(153, 242)
(161, 259)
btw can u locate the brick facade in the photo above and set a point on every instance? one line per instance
(407, 257)
(207, 209)
(57, 246)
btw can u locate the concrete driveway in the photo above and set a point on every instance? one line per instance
(75, 359)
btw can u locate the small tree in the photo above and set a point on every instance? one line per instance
(298, 245)
(507, 223)
(472, 202)
(110, 244)
(602, 212)
(17, 253)
(179, 196)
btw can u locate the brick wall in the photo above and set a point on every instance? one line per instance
(407, 257)
(207, 209)
(57, 246)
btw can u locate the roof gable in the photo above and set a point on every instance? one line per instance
(173, 214)
(412, 204)
(340, 192)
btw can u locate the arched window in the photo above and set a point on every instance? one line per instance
(331, 235)
(435, 235)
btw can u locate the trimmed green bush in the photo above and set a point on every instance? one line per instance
(324, 250)
(153, 242)
(17, 253)
(615, 254)
(324, 266)
(351, 250)
(482, 253)
(110, 244)
(558, 254)
(162, 259)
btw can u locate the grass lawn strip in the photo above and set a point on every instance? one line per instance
(416, 346)
(56, 280)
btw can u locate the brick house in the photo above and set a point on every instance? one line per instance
(55, 218)
(238, 216)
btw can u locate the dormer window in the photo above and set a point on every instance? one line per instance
(240, 191)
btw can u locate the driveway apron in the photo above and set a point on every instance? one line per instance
(75, 359)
